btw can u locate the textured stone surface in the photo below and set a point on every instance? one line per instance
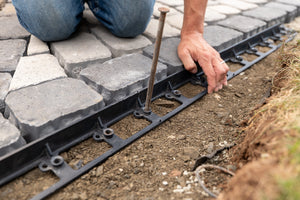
(175, 20)
(10, 53)
(271, 16)
(152, 27)
(257, 1)
(33, 70)
(36, 46)
(168, 54)
(90, 17)
(80, 51)
(172, 2)
(44, 108)
(156, 12)
(241, 5)
(120, 46)
(180, 8)
(291, 2)
(248, 26)
(220, 37)
(121, 77)
(10, 137)
(13, 29)
(8, 10)
(212, 15)
(290, 9)
(5, 79)
(226, 10)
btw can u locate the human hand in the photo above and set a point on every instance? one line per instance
(193, 48)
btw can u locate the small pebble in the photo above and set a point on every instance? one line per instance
(181, 137)
(165, 182)
(164, 173)
(185, 173)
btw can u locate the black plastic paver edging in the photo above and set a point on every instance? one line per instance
(44, 152)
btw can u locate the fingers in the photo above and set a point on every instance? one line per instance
(211, 77)
(188, 61)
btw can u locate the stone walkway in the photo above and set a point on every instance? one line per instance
(46, 87)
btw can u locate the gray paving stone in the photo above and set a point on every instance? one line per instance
(247, 25)
(212, 2)
(221, 37)
(175, 20)
(241, 5)
(213, 16)
(226, 10)
(180, 8)
(257, 1)
(120, 46)
(5, 79)
(36, 46)
(271, 16)
(168, 54)
(50, 106)
(172, 3)
(10, 137)
(33, 70)
(290, 9)
(11, 28)
(90, 18)
(156, 12)
(10, 53)
(121, 77)
(292, 2)
(152, 27)
(79, 52)
(8, 10)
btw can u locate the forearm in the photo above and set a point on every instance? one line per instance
(194, 12)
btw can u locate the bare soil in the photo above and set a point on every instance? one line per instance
(158, 166)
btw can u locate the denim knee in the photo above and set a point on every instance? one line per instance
(49, 20)
(133, 20)
(126, 18)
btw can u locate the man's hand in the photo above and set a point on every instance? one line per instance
(193, 48)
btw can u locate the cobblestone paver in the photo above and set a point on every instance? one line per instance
(248, 26)
(270, 15)
(169, 31)
(43, 99)
(10, 53)
(51, 106)
(221, 37)
(5, 79)
(33, 70)
(168, 54)
(10, 137)
(11, 28)
(8, 10)
(120, 46)
(290, 9)
(36, 46)
(121, 77)
(80, 51)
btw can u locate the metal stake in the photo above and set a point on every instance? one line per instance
(163, 11)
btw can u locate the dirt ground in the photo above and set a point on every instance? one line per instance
(158, 166)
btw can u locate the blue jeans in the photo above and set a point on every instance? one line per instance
(53, 20)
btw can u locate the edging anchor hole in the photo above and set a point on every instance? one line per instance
(57, 161)
(108, 132)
